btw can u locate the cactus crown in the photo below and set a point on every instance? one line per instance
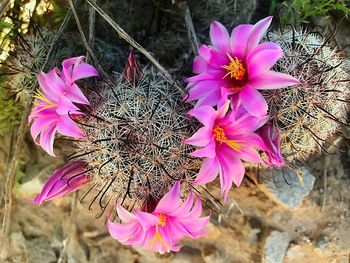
(310, 113)
(133, 146)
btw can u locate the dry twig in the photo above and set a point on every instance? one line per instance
(11, 170)
(71, 218)
(191, 32)
(85, 41)
(3, 7)
(122, 34)
(92, 19)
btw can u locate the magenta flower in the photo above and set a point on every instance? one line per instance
(63, 181)
(161, 230)
(238, 63)
(55, 108)
(226, 138)
(270, 134)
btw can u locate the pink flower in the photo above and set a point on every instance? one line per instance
(238, 63)
(63, 181)
(56, 102)
(270, 134)
(226, 138)
(132, 71)
(162, 229)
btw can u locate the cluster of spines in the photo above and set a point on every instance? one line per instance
(133, 146)
(308, 114)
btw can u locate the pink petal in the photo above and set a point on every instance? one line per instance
(125, 215)
(212, 57)
(138, 238)
(209, 99)
(219, 36)
(57, 185)
(239, 40)
(205, 115)
(68, 65)
(195, 225)
(147, 220)
(232, 170)
(196, 210)
(207, 151)
(76, 95)
(177, 229)
(170, 201)
(66, 106)
(163, 231)
(208, 171)
(68, 127)
(184, 209)
(199, 65)
(262, 59)
(249, 154)
(39, 124)
(201, 137)
(201, 89)
(83, 70)
(121, 231)
(248, 123)
(212, 74)
(49, 89)
(253, 101)
(72, 61)
(273, 80)
(222, 109)
(47, 138)
(258, 31)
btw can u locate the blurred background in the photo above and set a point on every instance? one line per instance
(271, 219)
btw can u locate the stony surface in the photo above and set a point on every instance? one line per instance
(286, 187)
(275, 247)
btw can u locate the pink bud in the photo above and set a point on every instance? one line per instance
(270, 134)
(132, 71)
(63, 181)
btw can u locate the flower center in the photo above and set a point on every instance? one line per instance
(236, 69)
(162, 218)
(219, 134)
(220, 137)
(158, 237)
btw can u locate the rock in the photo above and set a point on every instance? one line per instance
(323, 245)
(285, 187)
(275, 247)
(40, 251)
(29, 189)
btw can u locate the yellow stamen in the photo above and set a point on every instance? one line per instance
(235, 69)
(235, 144)
(40, 96)
(158, 237)
(220, 137)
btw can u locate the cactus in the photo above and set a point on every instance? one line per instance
(311, 113)
(26, 60)
(133, 144)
